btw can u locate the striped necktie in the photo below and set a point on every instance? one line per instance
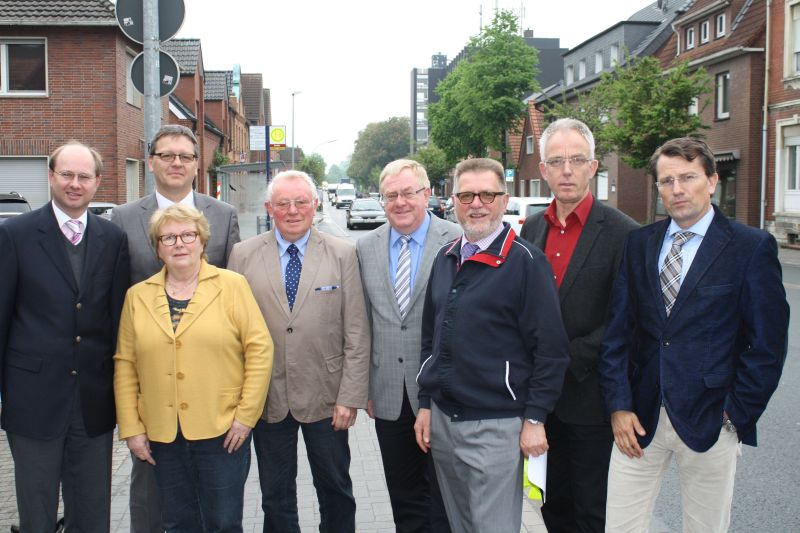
(670, 275)
(72, 230)
(402, 278)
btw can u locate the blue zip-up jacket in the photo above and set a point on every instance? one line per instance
(493, 342)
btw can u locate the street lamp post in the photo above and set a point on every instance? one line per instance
(293, 147)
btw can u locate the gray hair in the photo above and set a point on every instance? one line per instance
(480, 164)
(566, 124)
(292, 175)
(397, 166)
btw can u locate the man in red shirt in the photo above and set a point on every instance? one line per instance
(583, 240)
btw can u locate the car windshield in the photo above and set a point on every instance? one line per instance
(433, 201)
(532, 209)
(14, 207)
(366, 205)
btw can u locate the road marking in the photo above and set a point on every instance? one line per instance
(795, 286)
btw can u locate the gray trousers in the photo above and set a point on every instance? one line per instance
(79, 463)
(479, 468)
(145, 509)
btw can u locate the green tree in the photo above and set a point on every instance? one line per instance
(481, 99)
(335, 174)
(217, 160)
(314, 166)
(435, 162)
(378, 144)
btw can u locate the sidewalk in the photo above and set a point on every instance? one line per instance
(373, 511)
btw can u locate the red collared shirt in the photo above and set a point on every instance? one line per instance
(561, 240)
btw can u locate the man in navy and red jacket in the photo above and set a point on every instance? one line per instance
(494, 354)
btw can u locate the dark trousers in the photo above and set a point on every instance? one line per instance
(79, 463)
(200, 484)
(410, 476)
(329, 458)
(145, 511)
(577, 476)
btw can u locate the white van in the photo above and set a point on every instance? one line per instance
(345, 194)
(520, 208)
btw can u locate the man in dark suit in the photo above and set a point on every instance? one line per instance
(173, 160)
(583, 240)
(693, 350)
(395, 264)
(65, 272)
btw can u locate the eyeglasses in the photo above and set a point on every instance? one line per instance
(69, 176)
(576, 161)
(408, 195)
(487, 197)
(284, 205)
(169, 158)
(686, 179)
(187, 237)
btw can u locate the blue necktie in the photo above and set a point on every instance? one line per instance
(292, 274)
(468, 250)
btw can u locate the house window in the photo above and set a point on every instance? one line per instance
(704, 32)
(23, 67)
(133, 96)
(598, 62)
(613, 53)
(570, 74)
(529, 144)
(792, 46)
(581, 69)
(694, 107)
(689, 38)
(535, 187)
(792, 164)
(723, 86)
(720, 23)
(602, 185)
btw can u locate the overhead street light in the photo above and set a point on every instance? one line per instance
(293, 147)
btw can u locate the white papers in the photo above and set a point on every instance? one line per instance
(537, 472)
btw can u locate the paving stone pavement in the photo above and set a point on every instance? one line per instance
(373, 511)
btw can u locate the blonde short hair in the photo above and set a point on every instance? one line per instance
(182, 214)
(397, 166)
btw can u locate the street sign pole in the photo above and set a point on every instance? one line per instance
(267, 141)
(152, 87)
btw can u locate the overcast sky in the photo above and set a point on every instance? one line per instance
(352, 59)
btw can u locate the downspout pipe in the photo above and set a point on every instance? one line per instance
(765, 124)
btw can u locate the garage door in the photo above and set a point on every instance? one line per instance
(27, 176)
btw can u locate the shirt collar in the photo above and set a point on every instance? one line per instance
(581, 211)
(418, 235)
(164, 202)
(486, 241)
(698, 228)
(283, 244)
(62, 217)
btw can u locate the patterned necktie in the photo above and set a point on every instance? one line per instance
(292, 274)
(402, 278)
(670, 275)
(468, 250)
(72, 230)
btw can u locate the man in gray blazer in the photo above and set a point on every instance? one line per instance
(395, 293)
(583, 240)
(173, 161)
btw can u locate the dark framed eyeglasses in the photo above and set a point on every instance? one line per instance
(487, 197)
(187, 237)
(168, 157)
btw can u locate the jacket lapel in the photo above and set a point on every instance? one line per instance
(155, 301)
(271, 262)
(589, 234)
(654, 242)
(381, 251)
(207, 291)
(95, 244)
(51, 240)
(311, 263)
(148, 207)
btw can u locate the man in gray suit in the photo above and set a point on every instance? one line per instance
(583, 240)
(173, 161)
(395, 293)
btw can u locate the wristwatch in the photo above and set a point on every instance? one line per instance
(532, 421)
(728, 425)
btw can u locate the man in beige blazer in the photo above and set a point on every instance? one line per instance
(308, 287)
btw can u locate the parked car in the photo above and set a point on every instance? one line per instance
(12, 204)
(436, 206)
(102, 209)
(449, 210)
(365, 212)
(520, 208)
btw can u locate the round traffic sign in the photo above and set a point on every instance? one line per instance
(277, 135)
(131, 19)
(169, 73)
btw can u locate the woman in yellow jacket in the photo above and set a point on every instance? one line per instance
(193, 364)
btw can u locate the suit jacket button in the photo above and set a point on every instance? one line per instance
(403, 328)
(666, 344)
(179, 375)
(78, 338)
(78, 306)
(178, 344)
(74, 372)
(184, 406)
(289, 330)
(399, 359)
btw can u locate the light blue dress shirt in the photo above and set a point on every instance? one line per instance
(689, 249)
(415, 246)
(283, 246)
